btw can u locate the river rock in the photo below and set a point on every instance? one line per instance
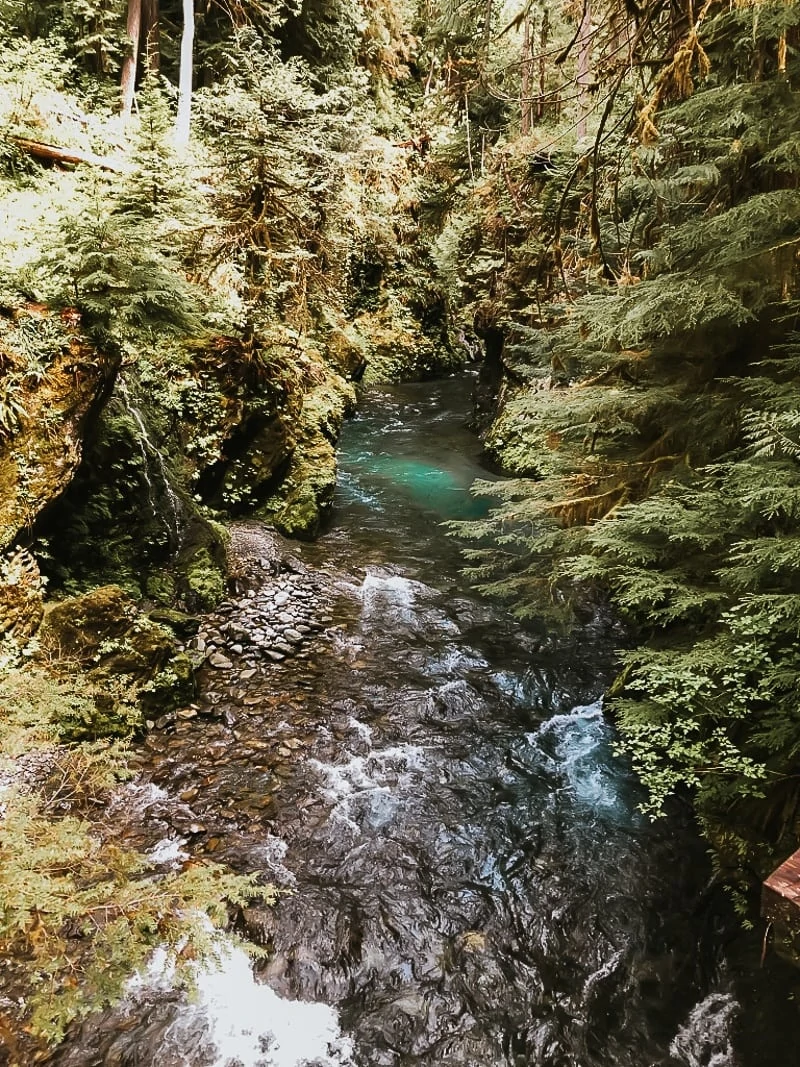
(216, 659)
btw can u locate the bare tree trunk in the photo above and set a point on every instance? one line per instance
(584, 67)
(543, 37)
(128, 79)
(526, 82)
(184, 119)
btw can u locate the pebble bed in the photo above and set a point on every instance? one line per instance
(280, 608)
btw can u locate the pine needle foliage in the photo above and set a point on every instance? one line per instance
(651, 412)
(81, 914)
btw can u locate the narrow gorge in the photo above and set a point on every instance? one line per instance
(399, 611)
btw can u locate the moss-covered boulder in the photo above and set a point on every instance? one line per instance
(132, 660)
(51, 379)
(244, 396)
(307, 493)
(201, 569)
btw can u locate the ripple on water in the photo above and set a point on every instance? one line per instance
(575, 748)
(367, 790)
(705, 1039)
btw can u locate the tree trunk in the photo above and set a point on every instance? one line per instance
(55, 154)
(487, 28)
(543, 38)
(184, 119)
(133, 29)
(584, 67)
(526, 83)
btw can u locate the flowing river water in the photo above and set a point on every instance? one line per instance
(471, 883)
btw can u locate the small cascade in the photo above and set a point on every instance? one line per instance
(705, 1039)
(173, 517)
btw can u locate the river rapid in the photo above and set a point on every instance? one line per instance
(470, 881)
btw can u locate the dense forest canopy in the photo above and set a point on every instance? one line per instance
(220, 215)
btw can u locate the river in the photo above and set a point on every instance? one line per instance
(471, 883)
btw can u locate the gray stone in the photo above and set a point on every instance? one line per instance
(216, 659)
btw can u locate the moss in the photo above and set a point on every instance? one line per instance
(130, 662)
(301, 516)
(205, 581)
(307, 494)
(171, 688)
(80, 626)
(179, 622)
(201, 567)
(400, 348)
(160, 587)
(348, 350)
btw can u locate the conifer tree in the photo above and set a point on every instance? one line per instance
(650, 413)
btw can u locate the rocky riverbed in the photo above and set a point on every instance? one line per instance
(225, 758)
(278, 610)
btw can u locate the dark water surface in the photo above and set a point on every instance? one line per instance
(472, 884)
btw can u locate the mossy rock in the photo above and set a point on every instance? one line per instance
(131, 661)
(181, 623)
(400, 350)
(42, 440)
(302, 514)
(307, 494)
(81, 625)
(160, 587)
(348, 351)
(171, 688)
(201, 572)
(205, 581)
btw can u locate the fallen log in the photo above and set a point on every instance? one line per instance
(56, 154)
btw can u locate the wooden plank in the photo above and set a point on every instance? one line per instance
(780, 893)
